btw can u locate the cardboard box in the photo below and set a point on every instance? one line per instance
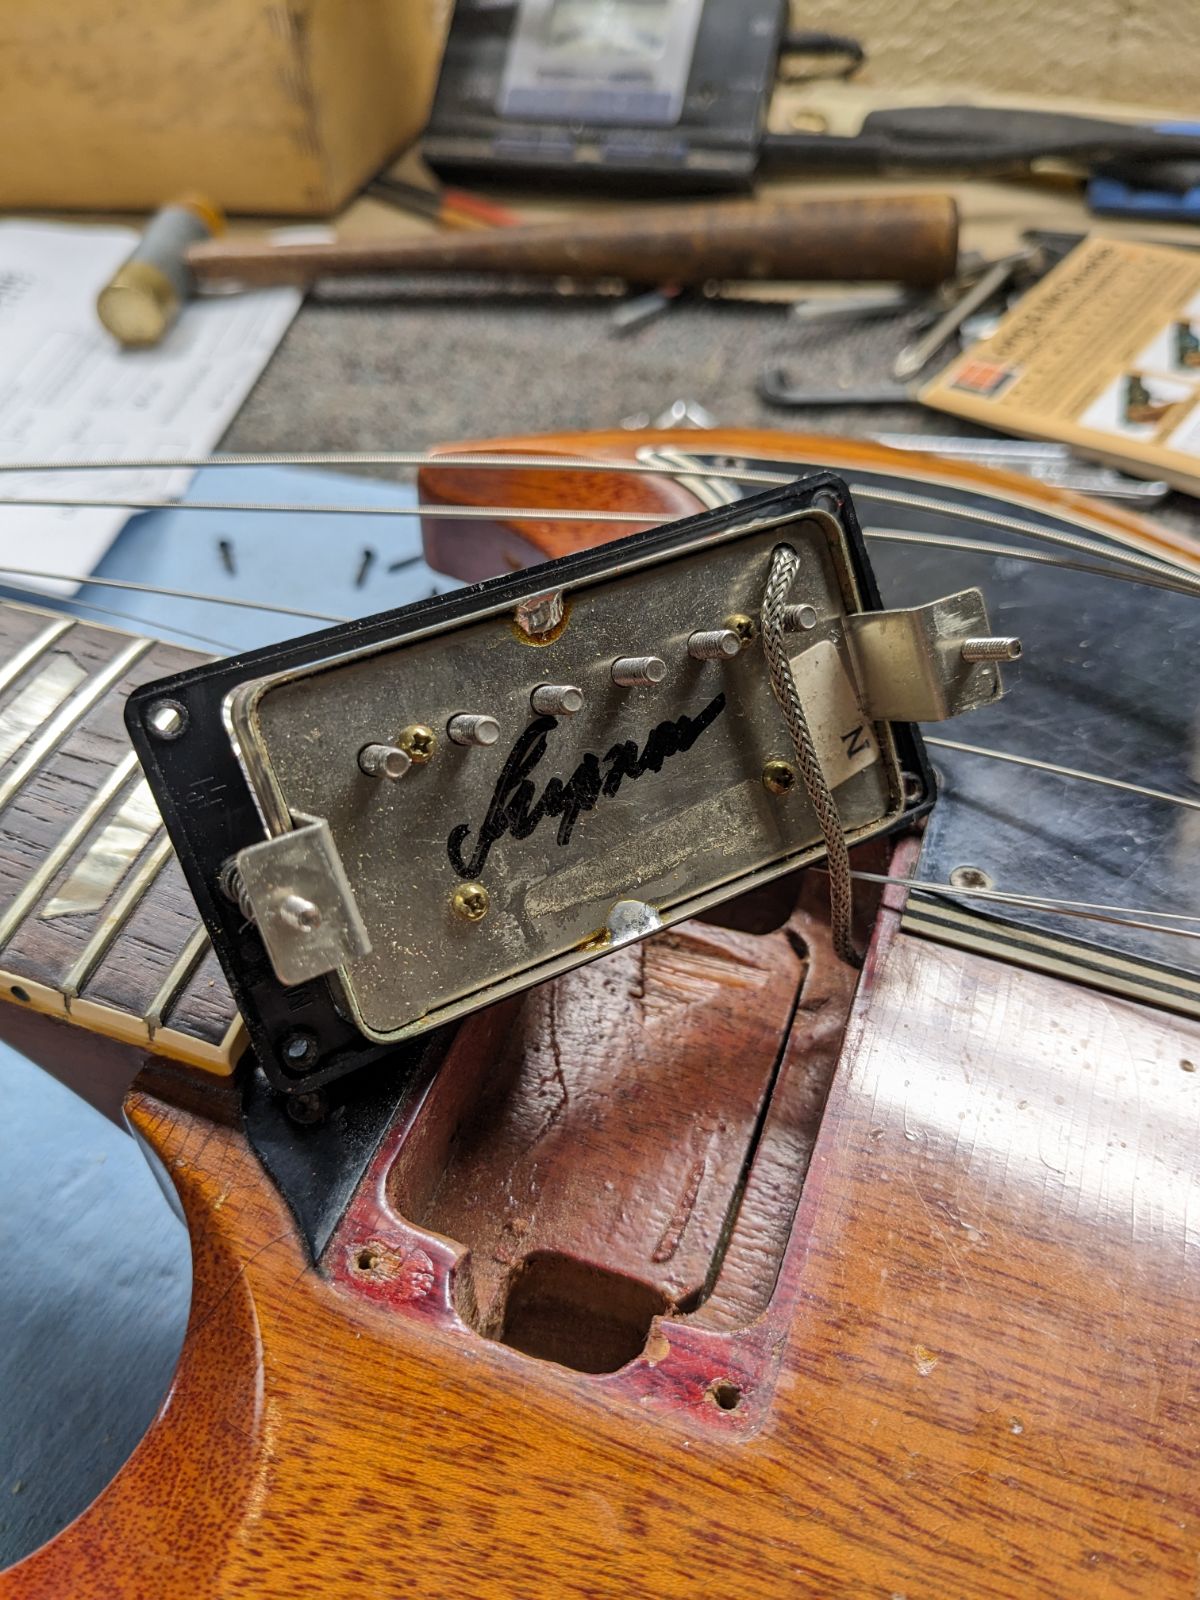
(276, 106)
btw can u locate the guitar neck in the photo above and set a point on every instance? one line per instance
(97, 925)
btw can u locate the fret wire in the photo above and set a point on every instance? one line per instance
(110, 926)
(1065, 772)
(177, 978)
(73, 712)
(65, 846)
(18, 664)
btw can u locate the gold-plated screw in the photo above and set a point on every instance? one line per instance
(470, 901)
(745, 627)
(418, 743)
(778, 776)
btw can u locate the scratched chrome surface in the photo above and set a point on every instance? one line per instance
(677, 838)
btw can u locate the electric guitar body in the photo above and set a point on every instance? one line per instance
(718, 1266)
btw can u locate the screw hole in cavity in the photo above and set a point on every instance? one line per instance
(726, 1394)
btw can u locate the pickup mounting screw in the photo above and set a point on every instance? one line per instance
(468, 728)
(778, 776)
(418, 743)
(715, 644)
(541, 617)
(298, 1049)
(556, 699)
(991, 649)
(470, 901)
(971, 878)
(384, 761)
(745, 627)
(634, 672)
(299, 914)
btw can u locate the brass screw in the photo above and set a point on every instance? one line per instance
(745, 627)
(418, 743)
(470, 901)
(778, 776)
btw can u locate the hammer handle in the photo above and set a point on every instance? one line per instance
(909, 239)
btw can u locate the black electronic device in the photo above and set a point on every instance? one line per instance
(645, 95)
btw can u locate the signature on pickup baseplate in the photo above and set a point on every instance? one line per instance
(513, 810)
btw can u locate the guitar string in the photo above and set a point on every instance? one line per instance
(459, 513)
(59, 601)
(1038, 557)
(267, 607)
(1127, 916)
(1063, 772)
(172, 594)
(886, 535)
(478, 459)
(1049, 904)
(1088, 911)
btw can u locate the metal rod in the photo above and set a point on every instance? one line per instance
(1030, 530)
(419, 458)
(1065, 772)
(172, 594)
(1016, 552)
(1130, 916)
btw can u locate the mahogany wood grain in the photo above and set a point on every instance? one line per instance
(986, 1384)
(499, 546)
(963, 1366)
(586, 1145)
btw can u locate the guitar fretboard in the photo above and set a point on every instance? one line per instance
(97, 925)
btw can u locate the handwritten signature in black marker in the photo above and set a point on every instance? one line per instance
(514, 810)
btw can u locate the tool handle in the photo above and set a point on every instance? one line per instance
(903, 238)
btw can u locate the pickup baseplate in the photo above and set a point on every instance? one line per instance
(394, 822)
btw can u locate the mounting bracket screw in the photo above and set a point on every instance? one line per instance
(778, 777)
(298, 1049)
(745, 627)
(470, 901)
(418, 741)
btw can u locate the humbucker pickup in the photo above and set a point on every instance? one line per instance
(391, 823)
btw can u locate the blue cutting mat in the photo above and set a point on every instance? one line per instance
(94, 1268)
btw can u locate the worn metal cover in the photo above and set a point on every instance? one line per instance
(646, 806)
(651, 793)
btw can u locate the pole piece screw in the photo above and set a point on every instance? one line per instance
(638, 672)
(556, 699)
(384, 761)
(470, 728)
(799, 619)
(715, 644)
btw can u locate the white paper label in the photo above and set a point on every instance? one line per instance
(842, 735)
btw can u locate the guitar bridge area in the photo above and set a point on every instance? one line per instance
(438, 808)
